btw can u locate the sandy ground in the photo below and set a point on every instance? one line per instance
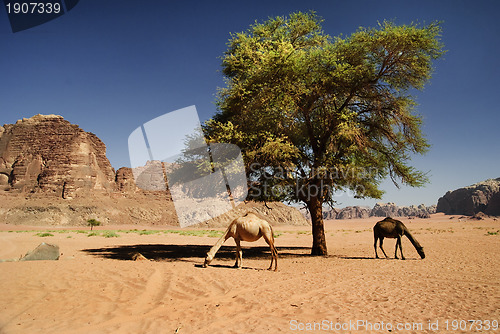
(96, 288)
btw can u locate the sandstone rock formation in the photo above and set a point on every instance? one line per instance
(54, 173)
(480, 197)
(125, 181)
(351, 212)
(392, 210)
(51, 155)
(385, 210)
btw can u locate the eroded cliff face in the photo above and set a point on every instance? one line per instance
(46, 153)
(480, 197)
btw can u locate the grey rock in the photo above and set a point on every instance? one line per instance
(385, 210)
(351, 212)
(42, 252)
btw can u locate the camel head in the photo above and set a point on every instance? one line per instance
(208, 259)
(420, 252)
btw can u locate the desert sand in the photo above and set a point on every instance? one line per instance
(95, 287)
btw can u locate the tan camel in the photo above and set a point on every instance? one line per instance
(249, 227)
(392, 228)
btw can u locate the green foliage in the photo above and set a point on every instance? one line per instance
(196, 233)
(147, 232)
(214, 234)
(92, 223)
(298, 100)
(44, 234)
(110, 234)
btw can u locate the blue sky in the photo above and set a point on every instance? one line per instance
(110, 66)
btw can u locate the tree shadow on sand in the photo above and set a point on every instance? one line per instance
(160, 252)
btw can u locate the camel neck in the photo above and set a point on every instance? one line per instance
(412, 239)
(219, 243)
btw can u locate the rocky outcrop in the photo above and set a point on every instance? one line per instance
(152, 209)
(327, 214)
(392, 210)
(480, 197)
(352, 212)
(385, 210)
(125, 181)
(49, 154)
(493, 208)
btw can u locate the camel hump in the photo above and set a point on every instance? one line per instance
(390, 223)
(256, 214)
(386, 220)
(392, 220)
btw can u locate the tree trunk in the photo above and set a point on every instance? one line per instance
(315, 206)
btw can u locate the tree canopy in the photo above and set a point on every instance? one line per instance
(315, 115)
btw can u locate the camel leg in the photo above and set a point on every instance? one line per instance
(381, 243)
(375, 246)
(400, 249)
(211, 253)
(239, 254)
(398, 239)
(269, 238)
(275, 254)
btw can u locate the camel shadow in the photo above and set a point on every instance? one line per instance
(190, 253)
(356, 257)
(231, 266)
(374, 258)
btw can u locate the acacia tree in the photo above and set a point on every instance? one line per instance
(315, 115)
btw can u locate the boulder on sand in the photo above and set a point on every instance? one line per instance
(42, 252)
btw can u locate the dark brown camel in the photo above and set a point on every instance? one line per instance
(392, 228)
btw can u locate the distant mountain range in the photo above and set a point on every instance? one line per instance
(379, 210)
